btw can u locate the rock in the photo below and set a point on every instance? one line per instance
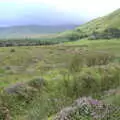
(89, 107)
(14, 88)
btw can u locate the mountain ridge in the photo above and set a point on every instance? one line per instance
(28, 30)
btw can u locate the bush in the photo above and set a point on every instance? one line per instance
(110, 77)
(75, 35)
(12, 50)
(89, 59)
(98, 58)
(76, 63)
(108, 33)
(37, 83)
(93, 80)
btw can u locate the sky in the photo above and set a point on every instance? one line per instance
(53, 12)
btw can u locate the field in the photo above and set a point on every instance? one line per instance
(34, 78)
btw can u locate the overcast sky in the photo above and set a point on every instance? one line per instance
(52, 12)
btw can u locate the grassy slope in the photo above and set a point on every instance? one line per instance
(110, 21)
(100, 24)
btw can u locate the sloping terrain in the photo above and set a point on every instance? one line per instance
(103, 27)
(100, 24)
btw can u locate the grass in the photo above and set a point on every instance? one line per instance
(70, 70)
(108, 21)
(27, 62)
(98, 25)
(103, 45)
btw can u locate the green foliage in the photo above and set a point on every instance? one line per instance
(93, 81)
(76, 63)
(106, 27)
(46, 79)
(38, 109)
(12, 50)
(31, 41)
(90, 59)
(37, 83)
(75, 35)
(108, 33)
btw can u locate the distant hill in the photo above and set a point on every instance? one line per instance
(110, 21)
(102, 26)
(32, 30)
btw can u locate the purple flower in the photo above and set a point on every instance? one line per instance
(94, 102)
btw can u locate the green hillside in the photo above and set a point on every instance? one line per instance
(110, 21)
(107, 25)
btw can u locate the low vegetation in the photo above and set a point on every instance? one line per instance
(32, 41)
(106, 27)
(39, 81)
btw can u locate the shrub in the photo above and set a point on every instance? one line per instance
(76, 63)
(110, 77)
(93, 80)
(75, 35)
(37, 83)
(108, 33)
(12, 50)
(98, 58)
(89, 59)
